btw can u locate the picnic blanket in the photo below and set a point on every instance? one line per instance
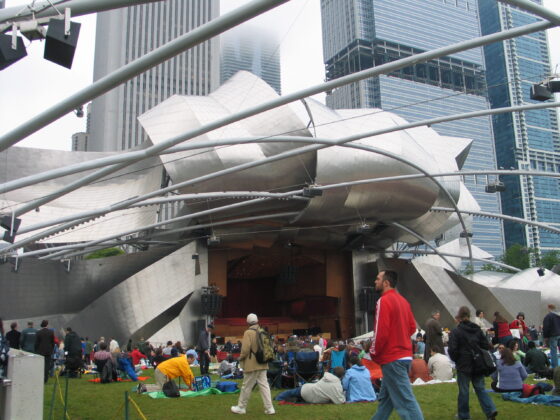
(329, 403)
(419, 381)
(204, 392)
(140, 378)
(541, 399)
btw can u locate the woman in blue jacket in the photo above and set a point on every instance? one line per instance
(357, 382)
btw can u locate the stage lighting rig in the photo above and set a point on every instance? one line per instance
(546, 89)
(61, 39)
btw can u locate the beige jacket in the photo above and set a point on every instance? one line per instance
(249, 347)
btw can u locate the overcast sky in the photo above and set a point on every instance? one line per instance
(33, 84)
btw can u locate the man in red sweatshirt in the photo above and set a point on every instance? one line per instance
(392, 349)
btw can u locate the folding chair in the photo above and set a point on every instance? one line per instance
(274, 373)
(306, 367)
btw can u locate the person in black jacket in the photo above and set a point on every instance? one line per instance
(203, 348)
(463, 339)
(13, 336)
(551, 333)
(44, 346)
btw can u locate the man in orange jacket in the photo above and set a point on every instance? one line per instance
(173, 368)
(392, 349)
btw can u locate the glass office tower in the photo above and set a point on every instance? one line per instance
(251, 49)
(527, 139)
(359, 34)
(123, 35)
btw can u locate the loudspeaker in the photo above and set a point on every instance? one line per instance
(211, 304)
(9, 56)
(60, 48)
(540, 93)
(366, 299)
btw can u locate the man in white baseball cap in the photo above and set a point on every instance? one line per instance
(253, 371)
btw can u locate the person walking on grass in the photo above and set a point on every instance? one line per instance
(461, 342)
(253, 371)
(392, 349)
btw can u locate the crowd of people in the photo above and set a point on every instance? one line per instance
(381, 368)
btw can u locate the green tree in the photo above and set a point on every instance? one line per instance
(550, 259)
(103, 253)
(490, 267)
(517, 256)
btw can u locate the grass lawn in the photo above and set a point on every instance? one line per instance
(93, 401)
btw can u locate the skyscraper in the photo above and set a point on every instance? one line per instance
(359, 34)
(252, 49)
(525, 140)
(126, 34)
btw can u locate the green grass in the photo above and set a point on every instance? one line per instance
(88, 400)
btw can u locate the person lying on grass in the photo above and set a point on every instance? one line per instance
(327, 390)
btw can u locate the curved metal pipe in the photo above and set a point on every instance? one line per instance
(167, 232)
(419, 237)
(448, 254)
(500, 216)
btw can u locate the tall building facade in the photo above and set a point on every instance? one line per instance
(125, 34)
(525, 140)
(252, 49)
(359, 34)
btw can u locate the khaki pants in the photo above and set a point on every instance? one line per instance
(249, 380)
(160, 377)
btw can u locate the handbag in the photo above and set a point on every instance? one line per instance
(483, 362)
(170, 389)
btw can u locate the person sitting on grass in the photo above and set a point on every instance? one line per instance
(227, 366)
(419, 369)
(509, 374)
(420, 345)
(439, 365)
(357, 382)
(327, 390)
(536, 360)
(518, 355)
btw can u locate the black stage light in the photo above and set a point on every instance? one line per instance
(213, 240)
(540, 93)
(466, 234)
(6, 223)
(312, 191)
(554, 86)
(8, 55)
(60, 48)
(540, 272)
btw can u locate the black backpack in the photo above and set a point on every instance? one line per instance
(170, 389)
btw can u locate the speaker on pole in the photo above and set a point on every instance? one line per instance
(8, 55)
(59, 47)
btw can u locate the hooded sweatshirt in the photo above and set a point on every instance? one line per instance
(327, 390)
(461, 340)
(357, 384)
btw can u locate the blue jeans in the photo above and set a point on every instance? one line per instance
(290, 393)
(553, 343)
(396, 392)
(486, 403)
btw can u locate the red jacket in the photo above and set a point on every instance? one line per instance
(136, 356)
(394, 324)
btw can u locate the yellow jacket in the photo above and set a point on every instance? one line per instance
(175, 367)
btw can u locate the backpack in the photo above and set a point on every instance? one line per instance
(530, 390)
(170, 389)
(227, 386)
(265, 350)
(483, 362)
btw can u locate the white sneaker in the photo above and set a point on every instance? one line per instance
(270, 411)
(237, 410)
